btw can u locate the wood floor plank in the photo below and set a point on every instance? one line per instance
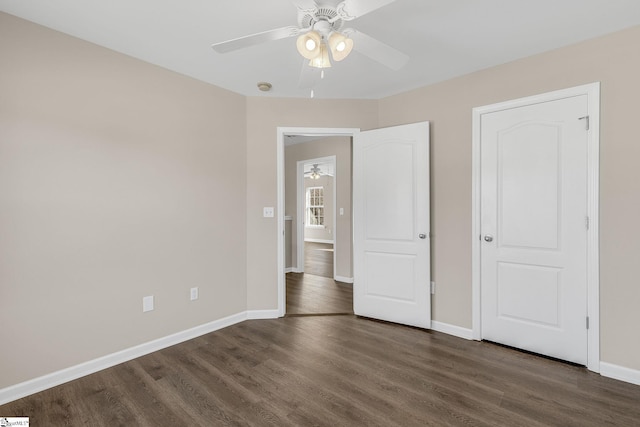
(309, 294)
(333, 371)
(318, 259)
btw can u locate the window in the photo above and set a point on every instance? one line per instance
(315, 207)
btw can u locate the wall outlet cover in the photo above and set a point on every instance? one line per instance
(147, 303)
(268, 212)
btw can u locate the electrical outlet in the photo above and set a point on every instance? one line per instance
(147, 303)
(268, 212)
(433, 288)
(194, 294)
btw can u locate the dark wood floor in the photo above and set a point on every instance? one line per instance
(333, 371)
(318, 259)
(309, 294)
(314, 291)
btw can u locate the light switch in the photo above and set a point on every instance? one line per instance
(341, 211)
(147, 303)
(268, 212)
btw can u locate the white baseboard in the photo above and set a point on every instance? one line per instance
(620, 373)
(262, 314)
(319, 241)
(53, 379)
(289, 270)
(343, 279)
(456, 331)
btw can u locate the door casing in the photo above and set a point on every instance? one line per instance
(593, 243)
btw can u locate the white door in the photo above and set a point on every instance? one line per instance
(391, 225)
(533, 256)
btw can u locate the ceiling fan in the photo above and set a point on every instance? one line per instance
(315, 172)
(320, 32)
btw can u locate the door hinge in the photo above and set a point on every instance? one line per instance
(586, 222)
(587, 322)
(586, 119)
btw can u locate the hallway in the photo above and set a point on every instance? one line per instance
(315, 292)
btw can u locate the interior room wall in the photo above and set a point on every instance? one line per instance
(612, 60)
(118, 180)
(264, 116)
(339, 146)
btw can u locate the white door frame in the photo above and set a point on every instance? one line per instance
(281, 132)
(300, 210)
(593, 242)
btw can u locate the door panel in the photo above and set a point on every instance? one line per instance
(533, 211)
(529, 293)
(390, 202)
(391, 212)
(528, 177)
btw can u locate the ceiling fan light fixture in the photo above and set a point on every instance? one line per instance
(309, 44)
(322, 59)
(340, 45)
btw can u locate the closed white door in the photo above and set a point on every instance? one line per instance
(391, 224)
(534, 228)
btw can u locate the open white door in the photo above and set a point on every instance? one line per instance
(391, 225)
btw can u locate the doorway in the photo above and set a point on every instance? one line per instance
(312, 288)
(391, 194)
(535, 224)
(317, 208)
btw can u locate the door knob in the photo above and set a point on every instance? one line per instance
(422, 236)
(488, 238)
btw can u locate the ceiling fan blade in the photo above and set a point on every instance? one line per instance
(305, 4)
(352, 9)
(254, 39)
(378, 51)
(309, 76)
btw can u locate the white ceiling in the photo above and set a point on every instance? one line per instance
(444, 38)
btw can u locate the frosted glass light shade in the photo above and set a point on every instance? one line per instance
(340, 45)
(322, 60)
(308, 44)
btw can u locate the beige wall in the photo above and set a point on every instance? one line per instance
(118, 179)
(341, 148)
(615, 62)
(264, 115)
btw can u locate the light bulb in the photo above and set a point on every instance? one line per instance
(310, 44)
